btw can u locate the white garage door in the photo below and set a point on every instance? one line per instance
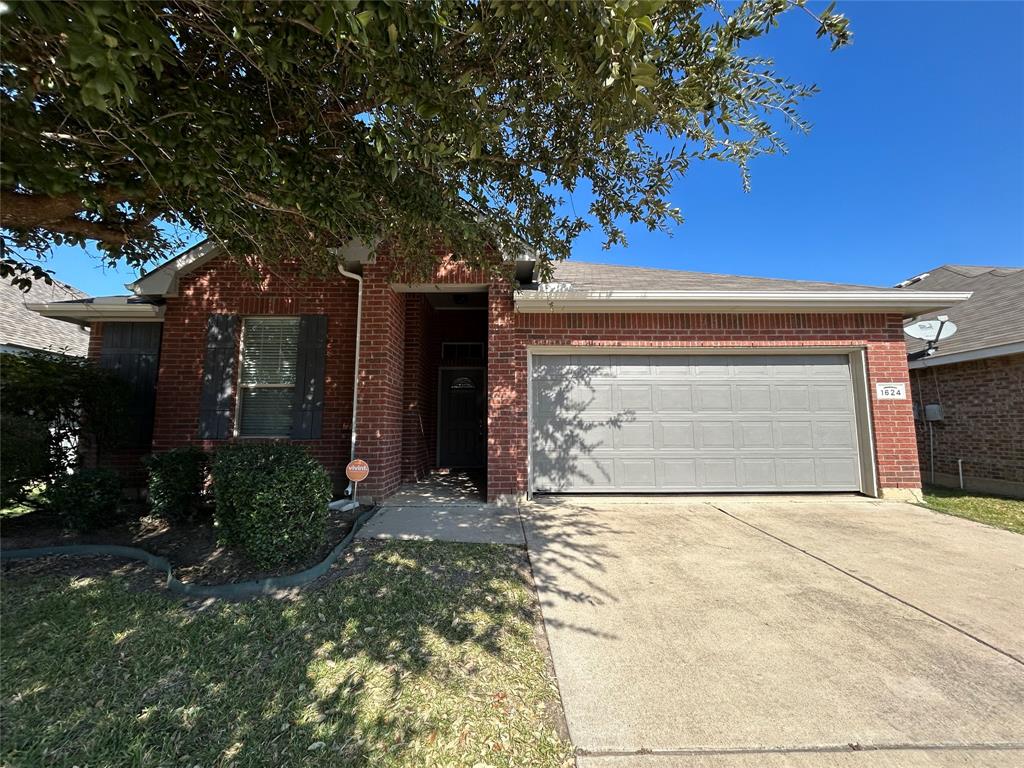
(630, 423)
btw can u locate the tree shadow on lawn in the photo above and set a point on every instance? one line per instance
(417, 650)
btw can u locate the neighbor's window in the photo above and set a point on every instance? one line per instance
(267, 380)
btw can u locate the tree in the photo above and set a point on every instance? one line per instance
(287, 128)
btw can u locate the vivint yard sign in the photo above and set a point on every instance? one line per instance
(896, 390)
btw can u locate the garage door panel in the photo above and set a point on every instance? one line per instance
(834, 435)
(757, 472)
(794, 435)
(677, 434)
(592, 396)
(793, 398)
(755, 434)
(564, 439)
(634, 474)
(669, 398)
(716, 434)
(635, 397)
(796, 473)
(584, 474)
(693, 423)
(671, 366)
(717, 473)
(712, 397)
(834, 398)
(632, 367)
(677, 474)
(836, 473)
(635, 435)
(753, 398)
(750, 366)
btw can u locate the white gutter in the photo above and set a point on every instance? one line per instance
(97, 312)
(1015, 348)
(355, 374)
(560, 298)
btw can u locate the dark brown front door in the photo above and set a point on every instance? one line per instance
(462, 418)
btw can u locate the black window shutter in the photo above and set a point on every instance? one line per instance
(132, 351)
(216, 398)
(308, 406)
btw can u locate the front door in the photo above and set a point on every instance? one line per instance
(462, 418)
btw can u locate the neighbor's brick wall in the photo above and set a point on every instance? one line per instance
(220, 287)
(983, 424)
(512, 333)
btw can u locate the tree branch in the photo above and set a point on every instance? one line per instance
(59, 213)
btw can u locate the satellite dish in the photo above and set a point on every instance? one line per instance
(931, 330)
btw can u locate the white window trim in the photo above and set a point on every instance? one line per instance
(236, 431)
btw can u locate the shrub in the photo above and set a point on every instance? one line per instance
(86, 500)
(176, 482)
(76, 402)
(270, 501)
(26, 455)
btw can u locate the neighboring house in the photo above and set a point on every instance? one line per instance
(607, 379)
(22, 330)
(976, 380)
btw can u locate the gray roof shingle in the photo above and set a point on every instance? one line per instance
(22, 328)
(993, 316)
(584, 276)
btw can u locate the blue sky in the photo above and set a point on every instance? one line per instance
(916, 159)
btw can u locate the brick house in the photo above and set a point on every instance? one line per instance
(969, 394)
(604, 379)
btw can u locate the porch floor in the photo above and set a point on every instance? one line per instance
(449, 487)
(446, 506)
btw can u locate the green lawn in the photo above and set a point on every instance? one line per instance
(993, 510)
(422, 654)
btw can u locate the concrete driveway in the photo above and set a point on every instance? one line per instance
(781, 632)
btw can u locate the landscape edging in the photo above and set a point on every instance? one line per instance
(229, 591)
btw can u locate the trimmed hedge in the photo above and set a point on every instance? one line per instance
(177, 480)
(86, 500)
(270, 501)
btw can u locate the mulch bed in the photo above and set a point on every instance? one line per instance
(190, 546)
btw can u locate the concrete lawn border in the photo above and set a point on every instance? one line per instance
(233, 591)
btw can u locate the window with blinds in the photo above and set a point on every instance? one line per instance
(267, 378)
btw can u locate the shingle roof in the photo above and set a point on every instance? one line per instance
(993, 316)
(584, 276)
(21, 327)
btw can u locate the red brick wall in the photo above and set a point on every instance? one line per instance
(385, 423)
(512, 333)
(416, 459)
(381, 382)
(221, 287)
(983, 418)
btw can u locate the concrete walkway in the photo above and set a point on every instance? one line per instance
(444, 507)
(767, 632)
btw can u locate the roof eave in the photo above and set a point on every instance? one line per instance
(952, 358)
(909, 304)
(86, 314)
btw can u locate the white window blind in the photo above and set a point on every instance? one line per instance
(267, 378)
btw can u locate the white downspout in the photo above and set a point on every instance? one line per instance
(355, 375)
